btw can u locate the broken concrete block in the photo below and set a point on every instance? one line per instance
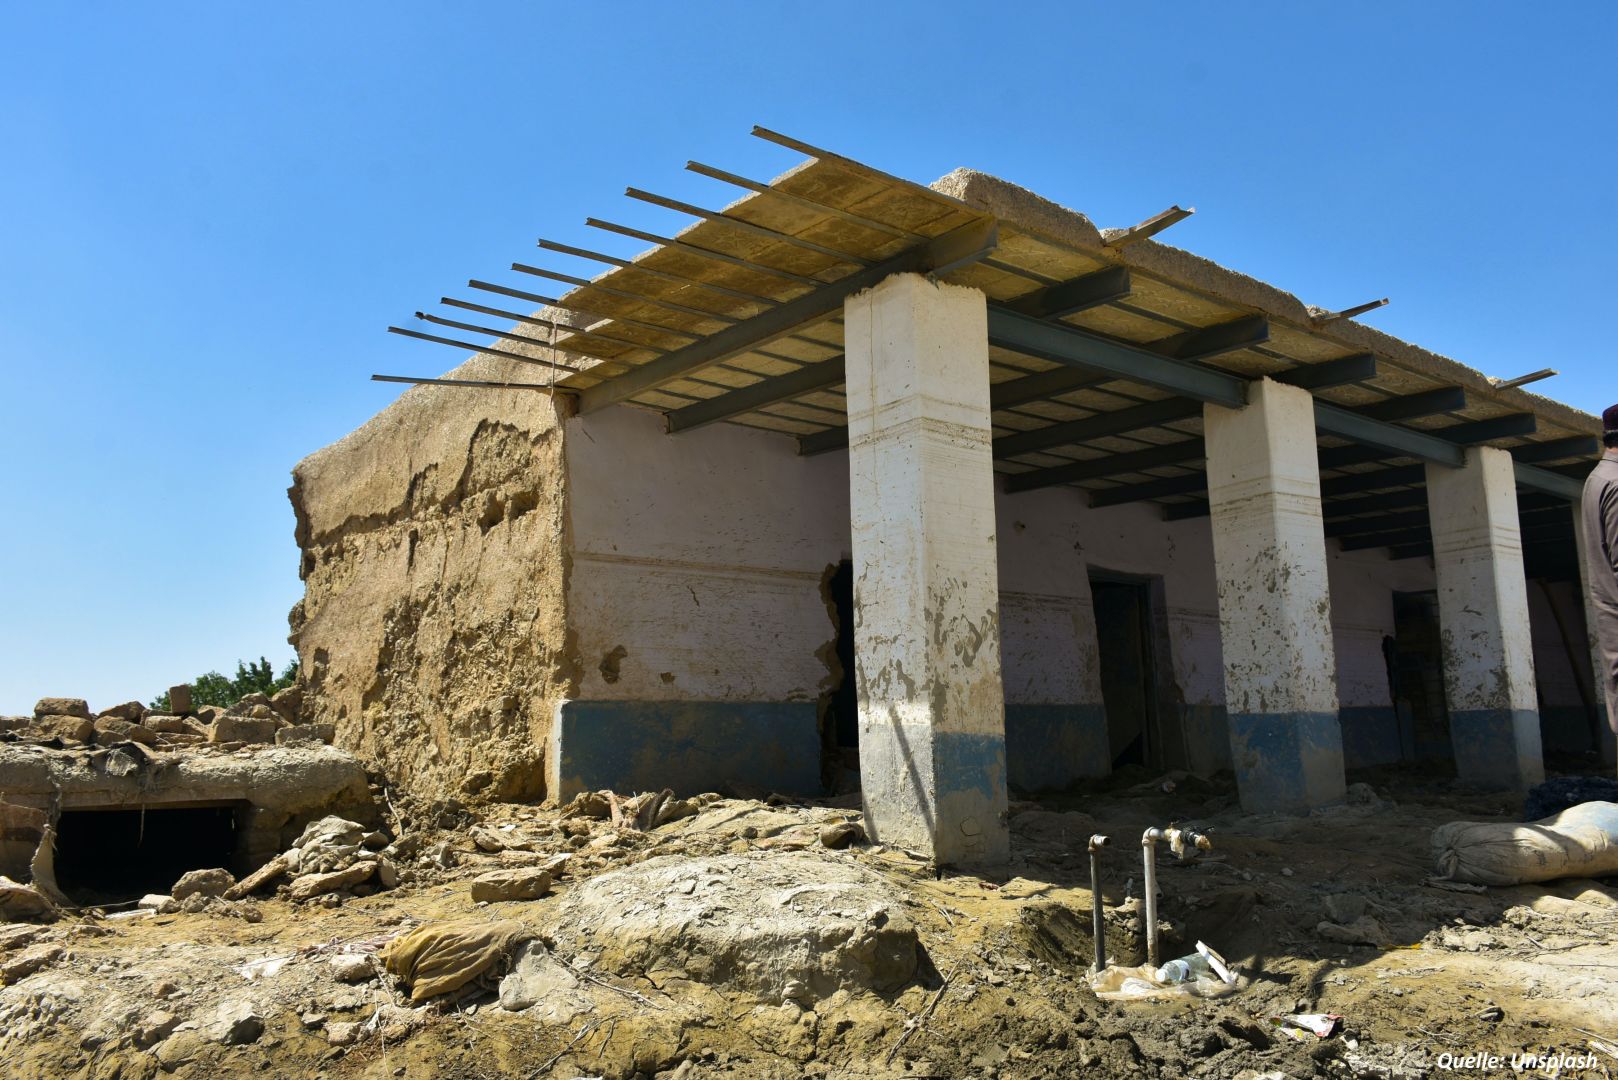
(244, 707)
(209, 713)
(180, 699)
(235, 1024)
(22, 903)
(387, 874)
(351, 968)
(165, 724)
(228, 729)
(62, 706)
(306, 733)
(132, 711)
(25, 963)
(486, 839)
(310, 886)
(288, 704)
(154, 1028)
(63, 726)
(342, 1033)
(1345, 908)
(110, 729)
(258, 879)
(264, 712)
(527, 883)
(162, 903)
(214, 882)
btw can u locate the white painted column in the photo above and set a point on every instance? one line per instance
(1483, 620)
(1607, 743)
(926, 597)
(1274, 601)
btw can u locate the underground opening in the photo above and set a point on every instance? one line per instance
(106, 856)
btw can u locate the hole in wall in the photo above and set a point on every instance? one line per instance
(106, 856)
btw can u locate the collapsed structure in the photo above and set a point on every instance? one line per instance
(946, 485)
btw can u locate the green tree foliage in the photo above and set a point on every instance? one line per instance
(213, 688)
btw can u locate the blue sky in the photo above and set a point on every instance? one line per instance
(208, 213)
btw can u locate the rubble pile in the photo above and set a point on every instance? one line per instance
(255, 719)
(649, 936)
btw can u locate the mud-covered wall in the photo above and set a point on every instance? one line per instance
(432, 628)
(701, 634)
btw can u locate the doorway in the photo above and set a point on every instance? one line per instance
(1416, 675)
(1123, 608)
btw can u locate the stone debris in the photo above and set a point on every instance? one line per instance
(294, 734)
(243, 729)
(352, 968)
(30, 960)
(525, 884)
(204, 883)
(23, 903)
(235, 1024)
(309, 886)
(62, 706)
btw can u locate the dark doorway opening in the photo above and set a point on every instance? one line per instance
(1416, 673)
(844, 706)
(1128, 668)
(104, 856)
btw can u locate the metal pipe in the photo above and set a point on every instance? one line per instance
(1180, 841)
(1097, 842)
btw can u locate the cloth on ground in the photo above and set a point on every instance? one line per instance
(441, 957)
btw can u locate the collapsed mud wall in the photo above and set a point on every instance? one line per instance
(432, 628)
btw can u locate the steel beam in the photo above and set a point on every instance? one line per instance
(1153, 457)
(1329, 373)
(1151, 414)
(1399, 476)
(1190, 484)
(1189, 347)
(1557, 449)
(765, 392)
(479, 383)
(1429, 403)
(1381, 523)
(1473, 432)
(1548, 483)
(1097, 355)
(1394, 538)
(1410, 551)
(1383, 436)
(966, 244)
(1072, 297)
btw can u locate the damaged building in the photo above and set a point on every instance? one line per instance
(939, 492)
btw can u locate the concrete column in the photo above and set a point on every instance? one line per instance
(1274, 601)
(1483, 619)
(1607, 743)
(926, 598)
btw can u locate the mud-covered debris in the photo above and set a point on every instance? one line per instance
(439, 958)
(842, 834)
(213, 882)
(525, 883)
(753, 922)
(310, 886)
(24, 903)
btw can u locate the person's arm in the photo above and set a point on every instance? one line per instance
(1609, 524)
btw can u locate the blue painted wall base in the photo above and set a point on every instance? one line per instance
(1287, 763)
(1497, 749)
(1370, 736)
(1052, 747)
(690, 746)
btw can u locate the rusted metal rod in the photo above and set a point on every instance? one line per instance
(1097, 922)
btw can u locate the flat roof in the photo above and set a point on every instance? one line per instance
(736, 318)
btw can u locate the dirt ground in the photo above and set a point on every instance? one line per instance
(998, 987)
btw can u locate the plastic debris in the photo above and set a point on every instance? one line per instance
(1297, 1026)
(1203, 973)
